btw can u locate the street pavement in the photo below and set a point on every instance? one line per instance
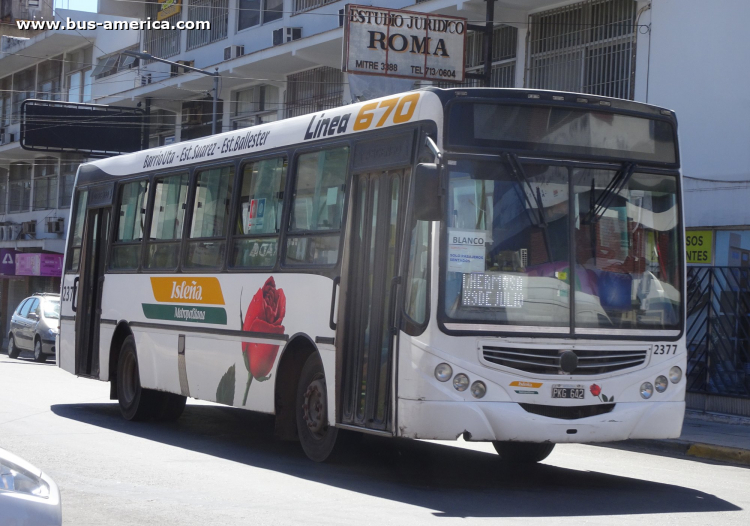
(220, 465)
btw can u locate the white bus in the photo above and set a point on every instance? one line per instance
(400, 266)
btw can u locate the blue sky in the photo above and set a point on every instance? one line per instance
(78, 5)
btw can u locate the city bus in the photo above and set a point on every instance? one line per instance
(497, 265)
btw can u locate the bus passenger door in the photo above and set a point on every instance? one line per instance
(372, 286)
(91, 284)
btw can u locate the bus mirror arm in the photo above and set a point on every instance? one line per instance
(331, 323)
(434, 149)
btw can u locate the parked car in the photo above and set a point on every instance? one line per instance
(34, 326)
(28, 497)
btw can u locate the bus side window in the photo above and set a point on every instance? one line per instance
(256, 234)
(416, 304)
(211, 203)
(131, 215)
(163, 245)
(317, 207)
(76, 228)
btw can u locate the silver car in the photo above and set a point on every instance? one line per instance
(34, 326)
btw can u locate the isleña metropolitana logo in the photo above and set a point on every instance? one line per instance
(172, 294)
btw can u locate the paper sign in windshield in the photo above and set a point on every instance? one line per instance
(466, 250)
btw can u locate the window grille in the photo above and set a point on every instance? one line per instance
(49, 79)
(6, 87)
(586, 47)
(161, 43)
(314, 90)
(256, 105)
(45, 183)
(301, 6)
(3, 190)
(504, 47)
(19, 187)
(214, 11)
(23, 88)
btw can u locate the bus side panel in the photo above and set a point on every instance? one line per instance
(66, 348)
(106, 331)
(157, 359)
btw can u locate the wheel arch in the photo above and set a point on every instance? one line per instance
(122, 331)
(293, 357)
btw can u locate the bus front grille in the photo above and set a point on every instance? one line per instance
(568, 413)
(547, 361)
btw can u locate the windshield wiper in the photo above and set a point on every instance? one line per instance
(615, 186)
(520, 175)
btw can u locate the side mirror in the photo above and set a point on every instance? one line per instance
(33, 316)
(427, 198)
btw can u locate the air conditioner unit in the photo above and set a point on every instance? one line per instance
(231, 52)
(342, 15)
(28, 227)
(145, 79)
(286, 34)
(177, 70)
(55, 225)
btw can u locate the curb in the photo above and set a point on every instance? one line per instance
(691, 449)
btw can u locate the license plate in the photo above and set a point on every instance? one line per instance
(574, 392)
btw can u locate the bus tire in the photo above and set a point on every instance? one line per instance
(316, 436)
(523, 452)
(13, 350)
(135, 402)
(171, 407)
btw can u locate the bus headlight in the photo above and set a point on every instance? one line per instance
(461, 382)
(478, 389)
(675, 374)
(661, 384)
(443, 372)
(647, 390)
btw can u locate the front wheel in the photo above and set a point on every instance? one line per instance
(39, 355)
(316, 436)
(135, 402)
(523, 452)
(13, 350)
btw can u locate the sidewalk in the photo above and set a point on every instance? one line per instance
(713, 437)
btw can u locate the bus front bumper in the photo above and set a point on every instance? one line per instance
(508, 421)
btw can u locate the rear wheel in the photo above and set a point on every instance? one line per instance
(39, 355)
(316, 436)
(13, 350)
(135, 402)
(523, 452)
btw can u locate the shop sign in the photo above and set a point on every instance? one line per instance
(699, 247)
(8, 261)
(407, 44)
(168, 8)
(39, 265)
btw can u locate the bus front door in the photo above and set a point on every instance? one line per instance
(89, 300)
(372, 284)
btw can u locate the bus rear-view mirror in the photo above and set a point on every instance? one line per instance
(427, 202)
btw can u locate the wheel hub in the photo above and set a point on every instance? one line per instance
(314, 406)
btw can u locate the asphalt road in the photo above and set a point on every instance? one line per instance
(220, 465)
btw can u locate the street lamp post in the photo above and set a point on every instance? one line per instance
(215, 74)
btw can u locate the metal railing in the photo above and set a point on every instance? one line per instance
(504, 47)
(160, 43)
(215, 11)
(300, 6)
(314, 90)
(586, 47)
(718, 331)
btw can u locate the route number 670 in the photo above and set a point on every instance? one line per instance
(664, 349)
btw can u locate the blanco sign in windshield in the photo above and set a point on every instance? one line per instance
(406, 44)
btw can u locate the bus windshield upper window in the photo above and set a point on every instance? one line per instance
(170, 197)
(259, 215)
(318, 206)
(211, 205)
(131, 208)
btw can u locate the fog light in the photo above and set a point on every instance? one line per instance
(675, 374)
(461, 382)
(661, 384)
(478, 389)
(647, 390)
(443, 372)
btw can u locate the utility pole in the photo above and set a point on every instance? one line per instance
(487, 31)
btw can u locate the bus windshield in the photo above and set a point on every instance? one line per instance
(514, 232)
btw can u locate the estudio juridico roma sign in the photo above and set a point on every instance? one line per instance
(405, 44)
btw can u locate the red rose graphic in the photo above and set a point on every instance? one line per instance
(595, 390)
(264, 314)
